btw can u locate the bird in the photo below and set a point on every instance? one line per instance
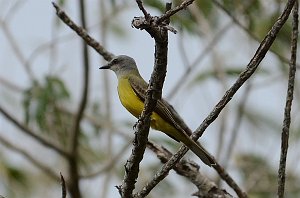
(132, 93)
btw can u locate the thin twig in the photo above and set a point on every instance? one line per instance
(107, 98)
(288, 105)
(60, 39)
(173, 11)
(236, 126)
(210, 45)
(33, 134)
(75, 130)
(63, 186)
(45, 169)
(10, 85)
(83, 34)
(12, 11)
(247, 30)
(16, 49)
(250, 69)
(108, 166)
(141, 7)
(229, 180)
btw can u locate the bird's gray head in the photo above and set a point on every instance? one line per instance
(122, 65)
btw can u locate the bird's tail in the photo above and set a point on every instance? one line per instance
(201, 153)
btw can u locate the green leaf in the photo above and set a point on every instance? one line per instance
(40, 101)
(16, 175)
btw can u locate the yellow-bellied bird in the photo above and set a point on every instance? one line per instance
(132, 92)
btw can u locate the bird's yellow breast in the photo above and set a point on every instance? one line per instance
(135, 106)
(128, 98)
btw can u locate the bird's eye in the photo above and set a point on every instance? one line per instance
(115, 61)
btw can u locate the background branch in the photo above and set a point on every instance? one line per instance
(244, 28)
(32, 134)
(75, 130)
(83, 34)
(49, 172)
(250, 69)
(288, 105)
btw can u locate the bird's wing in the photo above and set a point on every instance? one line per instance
(168, 113)
(163, 108)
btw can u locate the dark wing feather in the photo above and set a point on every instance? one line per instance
(163, 108)
(168, 113)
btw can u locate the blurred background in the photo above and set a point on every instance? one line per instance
(42, 69)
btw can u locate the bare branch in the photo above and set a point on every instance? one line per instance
(63, 186)
(236, 125)
(16, 49)
(173, 11)
(10, 85)
(32, 134)
(47, 170)
(141, 7)
(229, 180)
(75, 131)
(210, 45)
(250, 69)
(83, 34)
(189, 170)
(288, 105)
(108, 165)
(154, 91)
(244, 28)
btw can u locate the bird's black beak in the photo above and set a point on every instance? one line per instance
(105, 67)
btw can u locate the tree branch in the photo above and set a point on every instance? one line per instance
(288, 105)
(250, 69)
(153, 93)
(83, 34)
(31, 159)
(173, 11)
(190, 171)
(75, 131)
(63, 186)
(244, 28)
(32, 134)
(190, 68)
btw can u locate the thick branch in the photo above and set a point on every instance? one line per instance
(190, 171)
(153, 94)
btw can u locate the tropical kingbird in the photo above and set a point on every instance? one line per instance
(132, 92)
